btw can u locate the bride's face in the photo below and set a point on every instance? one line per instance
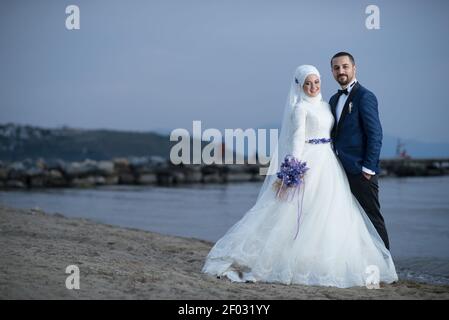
(311, 85)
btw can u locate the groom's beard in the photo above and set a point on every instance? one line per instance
(343, 80)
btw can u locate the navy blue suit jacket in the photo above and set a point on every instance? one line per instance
(357, 138)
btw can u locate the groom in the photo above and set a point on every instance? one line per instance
(357, 137)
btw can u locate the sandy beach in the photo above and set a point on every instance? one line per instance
(119, 263)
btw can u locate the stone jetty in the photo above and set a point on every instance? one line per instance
(154, 170)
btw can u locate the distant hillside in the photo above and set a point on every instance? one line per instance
(18, 142)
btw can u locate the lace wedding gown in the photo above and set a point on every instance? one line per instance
(336, 243)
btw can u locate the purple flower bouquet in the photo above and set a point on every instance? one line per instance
(290, 177)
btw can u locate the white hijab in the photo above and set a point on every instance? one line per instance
(301, 73)
(296, 97)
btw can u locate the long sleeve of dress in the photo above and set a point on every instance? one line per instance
(298, 132)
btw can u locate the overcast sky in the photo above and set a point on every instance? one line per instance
(159, 65)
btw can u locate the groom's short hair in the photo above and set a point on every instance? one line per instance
(342, 54)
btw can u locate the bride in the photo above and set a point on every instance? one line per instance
(321, 236)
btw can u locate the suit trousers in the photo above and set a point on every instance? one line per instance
(367, 193)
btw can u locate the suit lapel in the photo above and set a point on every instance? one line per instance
(346, 107)
(333, 104)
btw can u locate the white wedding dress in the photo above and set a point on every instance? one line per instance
(336, 243)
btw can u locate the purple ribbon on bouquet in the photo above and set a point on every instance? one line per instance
(292, 176)
(299, 208)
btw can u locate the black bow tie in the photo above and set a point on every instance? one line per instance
(345, 91)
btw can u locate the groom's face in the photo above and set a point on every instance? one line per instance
(343, 70)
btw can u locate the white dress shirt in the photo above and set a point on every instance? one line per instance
(343, 98)
(340, 104)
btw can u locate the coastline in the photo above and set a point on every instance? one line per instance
(123, 263)
(35, 174)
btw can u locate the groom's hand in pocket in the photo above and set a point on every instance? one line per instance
(366, 175)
